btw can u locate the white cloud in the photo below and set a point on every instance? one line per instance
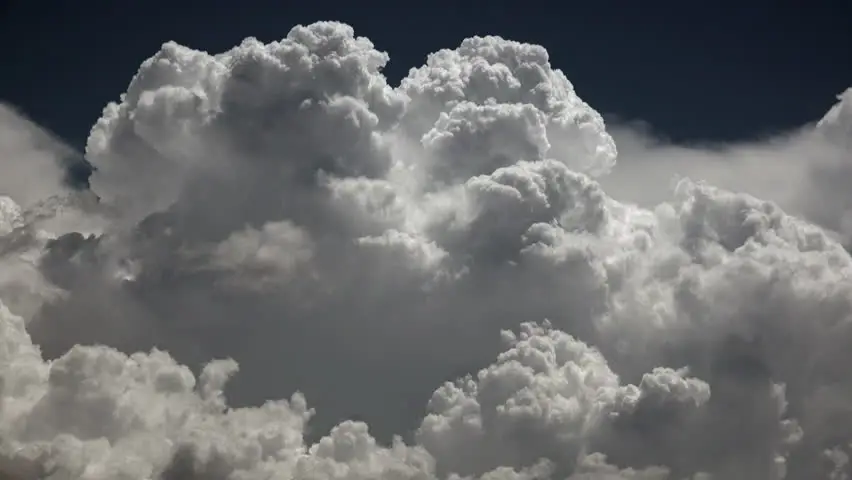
(273, 253)
(805, 171)
(30, 158)
(388, 236)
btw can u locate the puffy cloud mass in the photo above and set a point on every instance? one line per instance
(805, 171)
(285, 268)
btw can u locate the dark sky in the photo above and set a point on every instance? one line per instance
(693, 70)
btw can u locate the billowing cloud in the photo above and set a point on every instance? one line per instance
(301, 271)
(804, 170)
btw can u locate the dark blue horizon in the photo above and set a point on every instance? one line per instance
(694, 73)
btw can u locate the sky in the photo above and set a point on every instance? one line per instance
(610, 242)
(720, 71)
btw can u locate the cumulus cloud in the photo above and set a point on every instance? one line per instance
(32, 159)
(804, 170)
(301, 271)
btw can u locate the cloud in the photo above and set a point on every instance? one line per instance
(32, 159)
(803, 170)
(301, 271)
(39, 201)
